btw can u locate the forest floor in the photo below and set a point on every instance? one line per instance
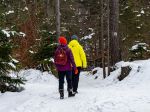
(95, 95)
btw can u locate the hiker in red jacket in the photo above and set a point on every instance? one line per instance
(64, 62)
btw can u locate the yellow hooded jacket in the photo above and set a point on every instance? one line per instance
(78, 54)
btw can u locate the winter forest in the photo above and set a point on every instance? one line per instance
(113, 42)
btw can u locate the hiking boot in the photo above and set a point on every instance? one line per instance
(61, 94)
(76, 92)
(61, 97)
(71, 93)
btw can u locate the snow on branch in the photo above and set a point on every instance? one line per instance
(9, 12)
(136, 47)
(9, 33)
(88, 36)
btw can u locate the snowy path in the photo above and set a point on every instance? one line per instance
(130, 95)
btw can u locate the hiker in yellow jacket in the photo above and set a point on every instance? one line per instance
(79, 58)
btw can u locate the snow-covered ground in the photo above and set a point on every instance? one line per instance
(95, 95)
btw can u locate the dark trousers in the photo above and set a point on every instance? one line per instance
(61, 75)
(75, 79)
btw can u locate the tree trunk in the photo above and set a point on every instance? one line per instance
(114, 37)
(57, 18)
(102, 41)
(108, 37)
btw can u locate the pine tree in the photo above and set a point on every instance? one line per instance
(7, 63)
(139, 51)
(134, 24)
(45, 52)
(7, 83)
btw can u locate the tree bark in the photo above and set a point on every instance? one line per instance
(114, 37)
(57, 18)
(102, 41)
(108, 37)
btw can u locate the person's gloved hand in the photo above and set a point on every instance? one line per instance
(76, 71)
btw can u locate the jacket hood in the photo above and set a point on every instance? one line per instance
(74, 43)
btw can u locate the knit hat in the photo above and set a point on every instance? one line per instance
(62, 40)
(74, 37)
